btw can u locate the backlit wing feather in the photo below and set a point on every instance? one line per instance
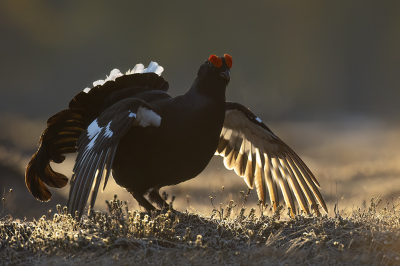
(262, 159)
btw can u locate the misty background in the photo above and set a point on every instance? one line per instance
(324, 76)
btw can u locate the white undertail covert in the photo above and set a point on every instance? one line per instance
(139, 68)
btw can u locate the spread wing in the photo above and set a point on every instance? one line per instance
(97, 145)
(261, 158)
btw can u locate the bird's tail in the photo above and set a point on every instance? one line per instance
(59, 138)
(64, 128)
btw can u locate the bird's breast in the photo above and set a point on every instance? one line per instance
(195, 133)
(176, 151)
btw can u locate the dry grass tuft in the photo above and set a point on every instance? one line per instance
(368, 235)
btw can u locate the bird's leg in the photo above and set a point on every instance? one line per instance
(155, 197)
(143, 201)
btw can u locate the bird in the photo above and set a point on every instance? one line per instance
(128, 125)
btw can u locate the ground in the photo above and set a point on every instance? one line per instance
(366, 236)
(352, 161)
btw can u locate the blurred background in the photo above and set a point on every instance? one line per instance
(323, 75)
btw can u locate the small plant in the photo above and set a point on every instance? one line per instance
(4, 198)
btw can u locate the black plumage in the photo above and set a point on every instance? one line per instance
(131, 126)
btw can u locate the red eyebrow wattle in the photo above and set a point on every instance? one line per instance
(215, 60)
(228, 60)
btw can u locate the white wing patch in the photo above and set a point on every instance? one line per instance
(93, 129)
(93, 132)
(139, 68)
(109, 132)
(146, 117)
(91, 143)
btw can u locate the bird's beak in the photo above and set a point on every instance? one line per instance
(226, 74)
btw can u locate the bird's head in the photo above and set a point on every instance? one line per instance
(215, 72)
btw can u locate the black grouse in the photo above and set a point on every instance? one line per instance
(130, 125)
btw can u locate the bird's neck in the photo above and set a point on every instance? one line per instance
(209, 89)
